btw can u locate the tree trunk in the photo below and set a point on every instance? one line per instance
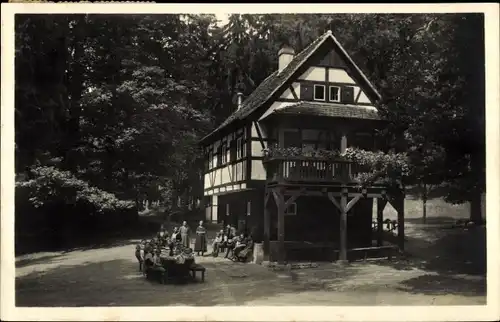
(75, 90)
(424, 203)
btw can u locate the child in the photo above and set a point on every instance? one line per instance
(140, 253)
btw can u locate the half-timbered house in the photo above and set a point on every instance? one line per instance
(316, 99)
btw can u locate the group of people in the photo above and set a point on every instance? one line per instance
(237, 247)
(177, 246)
(152, 254)
(182, 234)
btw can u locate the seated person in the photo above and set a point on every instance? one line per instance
(176, 236)
(244, 253)
(149, 258)
(162, 237)
(230, 245)
(165, 252)
(241, 243)
(156, 270)
(154, 242)
(217, 243)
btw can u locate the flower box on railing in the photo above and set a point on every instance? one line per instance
(353, 166)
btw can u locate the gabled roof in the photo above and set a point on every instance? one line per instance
(329, 110)
(276, 80)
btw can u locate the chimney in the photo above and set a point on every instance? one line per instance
(239, 95)
(285, 56)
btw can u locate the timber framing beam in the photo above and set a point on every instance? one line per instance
(294, 197)
(351, 203)
(334, 201)
(259, 134)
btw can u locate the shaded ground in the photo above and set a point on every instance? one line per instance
(447, 269)
(110, 276)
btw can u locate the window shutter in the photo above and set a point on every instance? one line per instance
(347, 95)
(306, 92)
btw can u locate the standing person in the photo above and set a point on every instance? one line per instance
(185, 231)
(200, 245)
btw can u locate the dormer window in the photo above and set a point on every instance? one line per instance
(334, 94)
(319, 93)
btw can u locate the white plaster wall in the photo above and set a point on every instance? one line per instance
(287, 94)
(258, 170)
(363, 98)
(257, 149)
(314, 74)
(339, 75)
(296, 88)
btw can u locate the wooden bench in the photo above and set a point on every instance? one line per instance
(198, 268)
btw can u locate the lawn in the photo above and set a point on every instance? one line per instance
(438, 211)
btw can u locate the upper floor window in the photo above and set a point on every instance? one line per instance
(319, 93)
(232, 150)
(292, 138)
(215, 158)
(239, 148)
(210, 159)
(224, 153)
(334, 94)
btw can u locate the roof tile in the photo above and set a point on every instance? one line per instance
(268, 86)
(272, 83)
(329, 110)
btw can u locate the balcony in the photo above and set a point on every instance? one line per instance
(301, 169)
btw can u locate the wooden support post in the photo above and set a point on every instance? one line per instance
(381, 203)
(267, 226)
(343, 227)
(281, 227)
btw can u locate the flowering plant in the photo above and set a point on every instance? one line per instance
(379, 167)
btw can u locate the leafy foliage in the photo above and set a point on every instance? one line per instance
(389, 168)
(122, 100)
(50, 184)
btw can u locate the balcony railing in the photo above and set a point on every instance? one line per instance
(310, 169)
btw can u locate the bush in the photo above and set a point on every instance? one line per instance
(50, 185)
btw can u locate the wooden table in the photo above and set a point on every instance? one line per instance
(175, 270)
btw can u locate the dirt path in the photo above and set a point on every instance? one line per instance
(110, 276)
